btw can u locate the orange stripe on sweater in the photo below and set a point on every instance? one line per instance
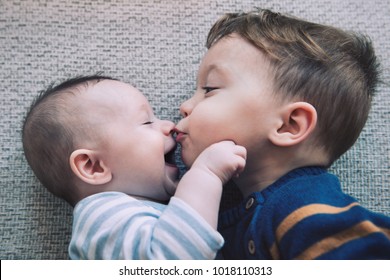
(300, 214)
(330, 243)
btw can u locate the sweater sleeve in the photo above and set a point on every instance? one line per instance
(115, 226)
(317, 225)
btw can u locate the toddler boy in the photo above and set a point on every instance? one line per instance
(296, 95)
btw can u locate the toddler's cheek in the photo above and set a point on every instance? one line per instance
(188, 156)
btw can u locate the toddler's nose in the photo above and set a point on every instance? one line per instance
(186, 107)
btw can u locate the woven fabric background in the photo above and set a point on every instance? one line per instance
(157, 46)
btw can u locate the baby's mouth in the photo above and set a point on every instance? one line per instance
(170, 157)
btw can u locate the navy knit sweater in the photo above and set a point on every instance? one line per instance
(304, 215)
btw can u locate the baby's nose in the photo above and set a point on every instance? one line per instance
(167, 127)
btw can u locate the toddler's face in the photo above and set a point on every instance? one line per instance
(233, 100)
(135, 143)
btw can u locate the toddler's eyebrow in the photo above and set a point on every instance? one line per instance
(220, 69)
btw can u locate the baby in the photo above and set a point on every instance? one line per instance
(95, 142)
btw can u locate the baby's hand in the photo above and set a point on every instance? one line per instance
(223, 159)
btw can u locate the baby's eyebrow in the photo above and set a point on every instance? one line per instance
(147, 108)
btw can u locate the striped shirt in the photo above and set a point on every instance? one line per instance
(113, 225)
(304, 215)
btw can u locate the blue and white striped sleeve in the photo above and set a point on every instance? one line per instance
(113, 225)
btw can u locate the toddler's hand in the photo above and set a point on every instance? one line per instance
(223, 159)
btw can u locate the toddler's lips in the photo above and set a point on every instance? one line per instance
(179, 135)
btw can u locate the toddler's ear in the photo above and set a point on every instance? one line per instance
(297, 121)
(88, 167)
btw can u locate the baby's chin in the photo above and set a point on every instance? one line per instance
(170, 187)
(171, 180)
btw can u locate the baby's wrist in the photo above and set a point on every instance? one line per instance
(205, 173)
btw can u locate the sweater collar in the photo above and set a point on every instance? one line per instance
(229, 216)
(296, 173)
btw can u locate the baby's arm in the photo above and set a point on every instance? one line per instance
(201, 186)
(113, 225)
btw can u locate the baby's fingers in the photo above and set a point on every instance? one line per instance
(240, 151)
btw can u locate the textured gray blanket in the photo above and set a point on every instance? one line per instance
(155, 45)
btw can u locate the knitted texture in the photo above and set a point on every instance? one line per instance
(156, 46)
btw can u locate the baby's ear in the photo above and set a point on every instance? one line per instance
(297, 121)
(88, 167)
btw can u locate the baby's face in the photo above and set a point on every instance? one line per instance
(135, 143)
(233, 100)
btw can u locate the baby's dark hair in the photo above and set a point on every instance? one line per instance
(50, 132)
(335, 71)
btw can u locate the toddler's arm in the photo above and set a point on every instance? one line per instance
(201, 186)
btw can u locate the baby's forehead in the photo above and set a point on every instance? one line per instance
(112, 97)
(110, 92)
(114, 87)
